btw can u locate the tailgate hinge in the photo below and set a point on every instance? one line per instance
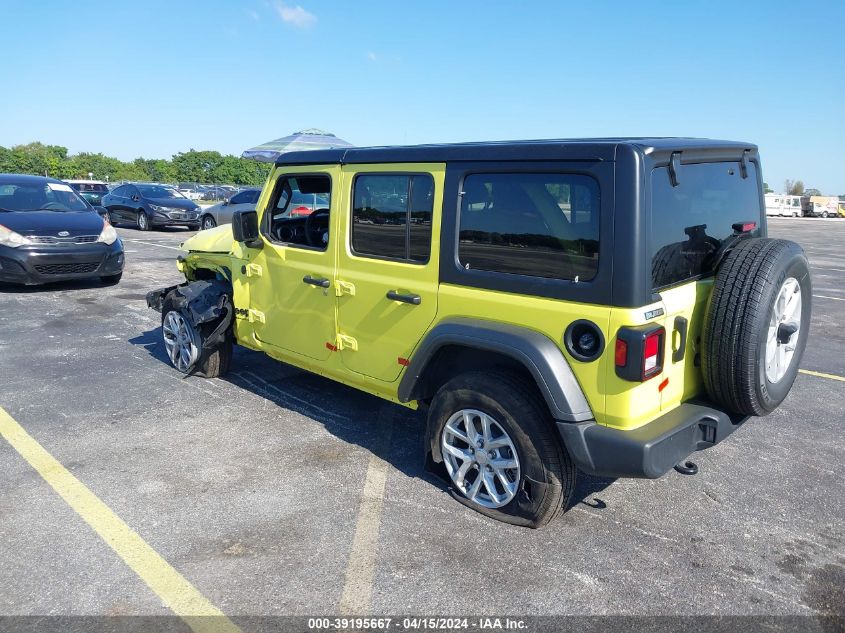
(344, 287)
(347, 342)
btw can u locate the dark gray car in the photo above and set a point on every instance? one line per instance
(150, 205)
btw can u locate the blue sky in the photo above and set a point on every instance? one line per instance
(153, 78)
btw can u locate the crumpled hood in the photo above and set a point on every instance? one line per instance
(216, 240)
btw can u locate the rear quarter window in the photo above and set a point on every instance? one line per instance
(534, 224)
(690, 221)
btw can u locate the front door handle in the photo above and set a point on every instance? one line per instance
(316, 281)
(412, 299)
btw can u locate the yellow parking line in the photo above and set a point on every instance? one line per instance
(360, 568)
(819, 374)
(167, 583)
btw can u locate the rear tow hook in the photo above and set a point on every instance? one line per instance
(687, 468)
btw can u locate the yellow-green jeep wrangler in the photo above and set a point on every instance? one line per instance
(611, 305)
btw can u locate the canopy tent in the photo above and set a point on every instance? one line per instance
(299, 141)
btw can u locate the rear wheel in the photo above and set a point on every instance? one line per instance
(208, 222)
(183, 343)
(500, 448)
(143, 221)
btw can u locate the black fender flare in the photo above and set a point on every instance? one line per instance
(533, 350)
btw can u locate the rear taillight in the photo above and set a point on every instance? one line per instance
(639, 352)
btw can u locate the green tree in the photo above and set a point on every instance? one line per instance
(196, 166)
(156, 169)
(192, 166)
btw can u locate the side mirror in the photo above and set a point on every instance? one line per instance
(245, 228)
(104, 213)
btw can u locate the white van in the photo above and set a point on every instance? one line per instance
(782, 204)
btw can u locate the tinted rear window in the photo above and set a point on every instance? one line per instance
(539, 225)
(690, 221)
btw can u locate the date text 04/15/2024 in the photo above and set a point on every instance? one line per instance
(415, 624)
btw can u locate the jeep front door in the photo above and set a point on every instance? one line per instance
(292, 298)
(388, 266)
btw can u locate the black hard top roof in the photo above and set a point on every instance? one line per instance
(543, 149)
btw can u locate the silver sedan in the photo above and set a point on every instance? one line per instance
(221, 213)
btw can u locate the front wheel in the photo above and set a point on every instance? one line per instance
(208, 223)
(500, 448)
(143, 221)
(183, 343)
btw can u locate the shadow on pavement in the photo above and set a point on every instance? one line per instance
(347, 413)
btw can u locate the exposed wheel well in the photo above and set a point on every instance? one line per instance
(209, 274)
(451, 360)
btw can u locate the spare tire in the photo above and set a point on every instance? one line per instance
(756, 325)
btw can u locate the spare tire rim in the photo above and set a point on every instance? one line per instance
(481, 458)
(179, 341)
(784, 330)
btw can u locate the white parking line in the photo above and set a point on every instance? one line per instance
(174, 248)
(840, 270)
(828, 297)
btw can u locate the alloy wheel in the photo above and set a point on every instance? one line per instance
(481, 458)
(182, 349)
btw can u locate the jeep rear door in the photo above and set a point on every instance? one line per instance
(388, 263)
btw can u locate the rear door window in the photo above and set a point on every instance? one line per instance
(534, 224)
(690, 221)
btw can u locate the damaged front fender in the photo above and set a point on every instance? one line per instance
(203, 301)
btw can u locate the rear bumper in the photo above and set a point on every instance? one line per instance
(650, 450)
(33, 265)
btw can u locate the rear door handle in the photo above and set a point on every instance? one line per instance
(412, 299)
(316, 281)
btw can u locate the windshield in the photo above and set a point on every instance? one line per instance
(157, 191)
(48, 196)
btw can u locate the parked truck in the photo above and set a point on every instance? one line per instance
(788, 205)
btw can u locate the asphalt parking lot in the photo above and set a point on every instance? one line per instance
(275, 492)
